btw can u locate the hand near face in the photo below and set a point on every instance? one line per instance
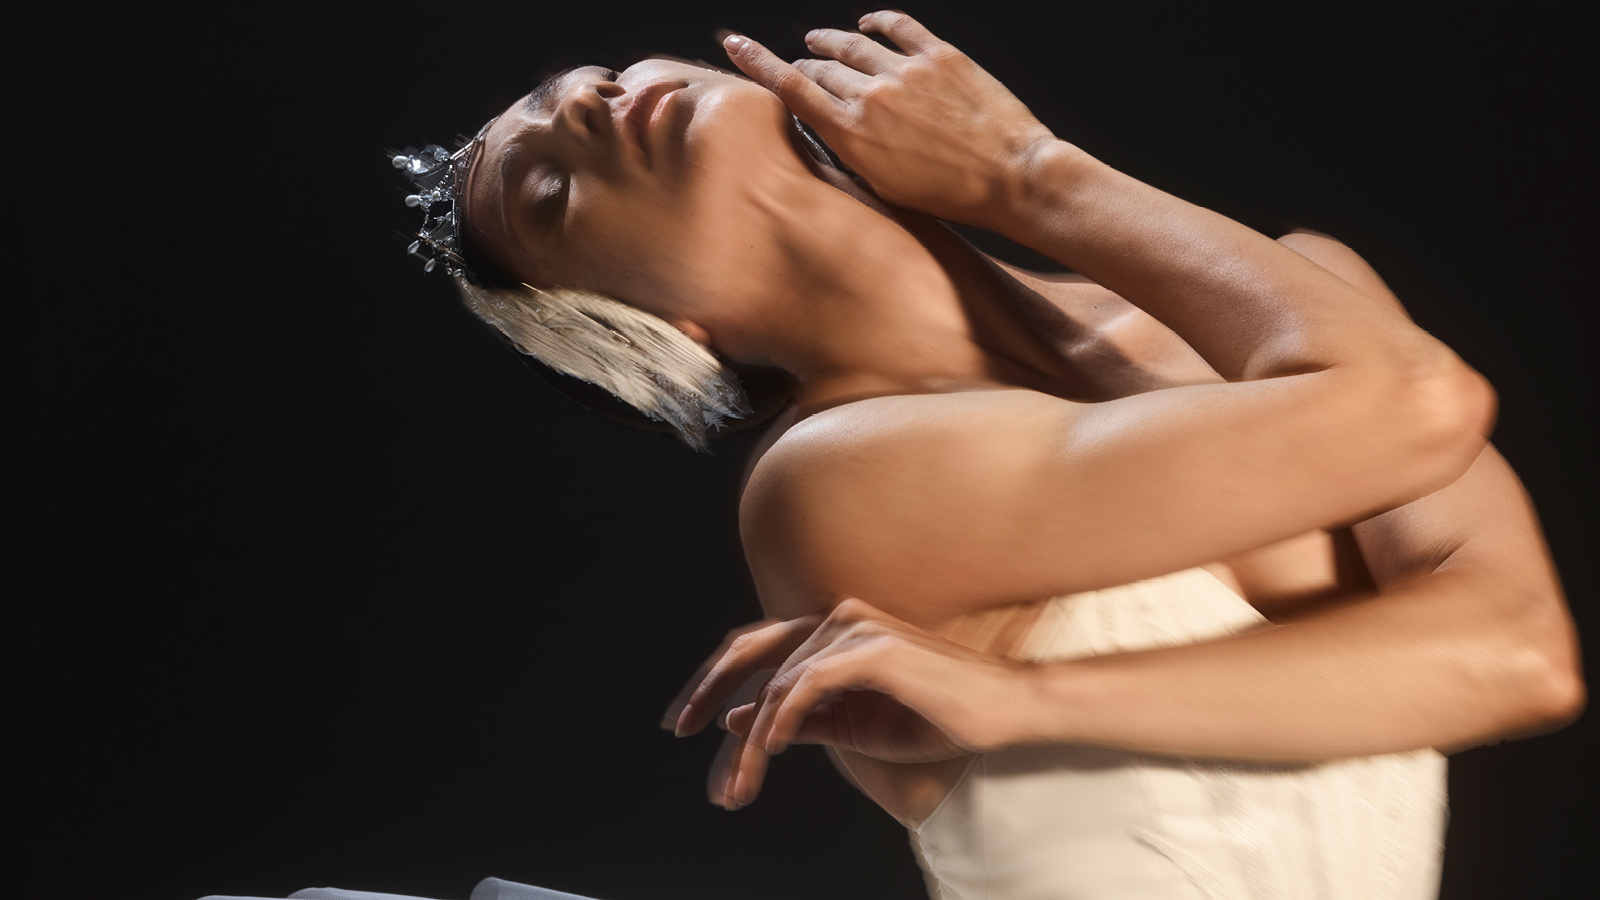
(927, 128)
(857, 679)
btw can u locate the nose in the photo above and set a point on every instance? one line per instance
(584, 112)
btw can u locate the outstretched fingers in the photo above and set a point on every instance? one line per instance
(673, 718)
(803, 97)
(746, 775)
(827, 725)
(857, 51)
(792, 698)
(907, 33)
(719, 782)
(743, 653)
(836, 78)
(747, 767)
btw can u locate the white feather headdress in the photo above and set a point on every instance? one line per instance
(638, 357)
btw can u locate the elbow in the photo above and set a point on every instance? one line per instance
(1548, 702)
(1572, 700)
(1546, 669)
(1448, 410)
(1557, 699)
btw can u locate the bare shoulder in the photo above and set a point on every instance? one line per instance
(906, 422)
(939, 505)
(874, 437)
(849, 502)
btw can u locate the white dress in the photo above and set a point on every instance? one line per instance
(1085, 823)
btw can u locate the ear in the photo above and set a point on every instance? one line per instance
(696, 333)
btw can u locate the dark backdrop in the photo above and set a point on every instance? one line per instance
(319, 587)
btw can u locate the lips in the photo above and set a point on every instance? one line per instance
(637, 117)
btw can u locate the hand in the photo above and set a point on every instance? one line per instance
(857, 679)
(928, 129)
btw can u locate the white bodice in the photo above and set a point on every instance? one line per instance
(1087, 823)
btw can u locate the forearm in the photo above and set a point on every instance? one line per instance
(1250, 306)
(931, 131)
(1449, 660)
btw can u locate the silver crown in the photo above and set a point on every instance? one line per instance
(439, 177)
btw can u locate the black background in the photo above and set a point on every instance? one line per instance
(319, 587)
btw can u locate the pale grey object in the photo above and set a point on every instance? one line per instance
(500, 889)
(341, 894)
(487, 889)
(322, 894)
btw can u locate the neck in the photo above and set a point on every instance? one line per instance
(860, 301)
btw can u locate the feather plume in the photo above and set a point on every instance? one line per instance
(638, 357)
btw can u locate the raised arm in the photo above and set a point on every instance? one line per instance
(1467, 640)
(931, 131)
(1336, 399)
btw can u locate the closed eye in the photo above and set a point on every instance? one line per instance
(544, 198)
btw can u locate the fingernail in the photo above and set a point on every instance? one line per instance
(732, 43)
(677, 726)
(810, 35)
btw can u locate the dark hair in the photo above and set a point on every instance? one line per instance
(477, 265)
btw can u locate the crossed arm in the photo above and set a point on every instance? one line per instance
(1327, 395)
(1467, 640)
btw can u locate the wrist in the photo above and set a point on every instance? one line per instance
(1049, 697)
(1041, 181)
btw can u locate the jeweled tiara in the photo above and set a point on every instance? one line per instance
(439, 177)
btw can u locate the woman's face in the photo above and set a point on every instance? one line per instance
(636, 184)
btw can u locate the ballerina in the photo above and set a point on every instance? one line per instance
(950, 463)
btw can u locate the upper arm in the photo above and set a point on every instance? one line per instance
(1483, 521)
(1482, 528)
(1484, 518)
(932, 505)
(1481, 534)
